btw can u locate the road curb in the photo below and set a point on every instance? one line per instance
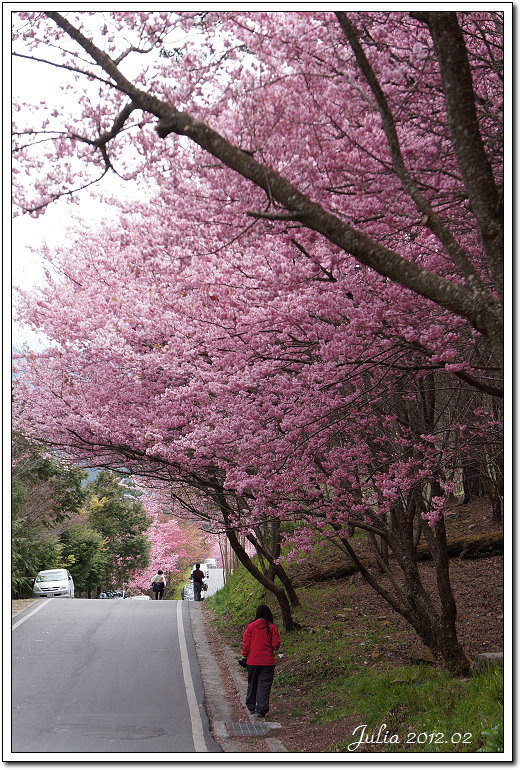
(218, 709)
(240, 683)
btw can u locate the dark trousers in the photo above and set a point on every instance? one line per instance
(159, 594)
(198, 587)
(260, 679)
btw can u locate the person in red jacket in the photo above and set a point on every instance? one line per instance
(259, 641)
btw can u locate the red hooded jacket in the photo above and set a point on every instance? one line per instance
(258, 643)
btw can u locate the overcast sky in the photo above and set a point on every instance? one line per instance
(28, 234)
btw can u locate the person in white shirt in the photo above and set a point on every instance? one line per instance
(159, 584)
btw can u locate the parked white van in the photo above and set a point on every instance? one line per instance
(53, 582)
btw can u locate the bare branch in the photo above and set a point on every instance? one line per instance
(430, 217)
(67, 67)
(57, 196)
(132, 49)
(288, 216)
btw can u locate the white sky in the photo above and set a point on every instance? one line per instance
(51, 227)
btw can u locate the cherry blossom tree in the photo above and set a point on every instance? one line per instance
(174, 544)
(290, 323)
(279, 396)
(379, 132)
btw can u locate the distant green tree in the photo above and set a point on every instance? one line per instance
(18, 495)
(31, 551)
(86, 552)
(114, 511)
(45, 490)
(45, 495)
(98, 530)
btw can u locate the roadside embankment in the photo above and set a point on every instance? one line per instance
(353, 662)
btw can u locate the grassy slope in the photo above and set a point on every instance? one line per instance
(334, 670)
(177, 581)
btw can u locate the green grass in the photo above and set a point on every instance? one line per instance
(323, 671)
(418, 702)
(409, 699)
(179, 581)
(238, 600)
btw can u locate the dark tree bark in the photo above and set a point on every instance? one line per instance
(446, 638)
(477, 483)
(437, 630)
(277, 590)
(275, 570)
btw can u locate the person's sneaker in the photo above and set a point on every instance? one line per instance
(260, 716)
(251, 712)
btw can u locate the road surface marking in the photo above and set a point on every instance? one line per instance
(36, 609)
(195, 717)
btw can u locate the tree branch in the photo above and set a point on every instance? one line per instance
(67, 67)
(431, 219)
(57, 196)
(480, 312)
(484, 197)
(288, 216)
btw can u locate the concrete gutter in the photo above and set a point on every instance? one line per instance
(240, 683)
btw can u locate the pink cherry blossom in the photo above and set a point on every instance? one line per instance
(302, 323)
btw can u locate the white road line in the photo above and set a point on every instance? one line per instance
(36, 609)
(195, 717)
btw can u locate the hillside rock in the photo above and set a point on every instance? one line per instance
(487, 660)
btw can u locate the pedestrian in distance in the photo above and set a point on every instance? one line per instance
(197, 577)
(259, 641)
(159, 584)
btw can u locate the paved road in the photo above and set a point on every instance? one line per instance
(107, 676)
(214, 581)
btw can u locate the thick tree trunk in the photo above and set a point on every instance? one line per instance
(472, 484)
(447, 639)
(264, 545)
(497, 514)
(276, 590)
(477, 482)
(288, 585)
(275, 570)
(437, 630)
